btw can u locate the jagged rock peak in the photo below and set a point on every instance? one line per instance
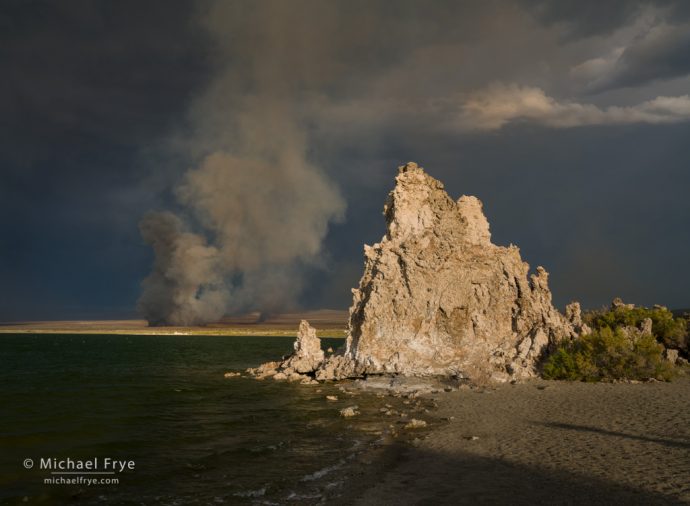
(573, 313)
(308, 353)
(618, 303)
(418, 204)
(306, 359)
(438, 298)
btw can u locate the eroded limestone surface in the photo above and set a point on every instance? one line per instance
(437, 297)
(306, 359)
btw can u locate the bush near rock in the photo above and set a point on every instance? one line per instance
(606, 355)
(669, 331)
(627, 342)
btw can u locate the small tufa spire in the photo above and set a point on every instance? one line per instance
(410, 167)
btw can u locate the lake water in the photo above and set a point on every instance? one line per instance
(162, 402)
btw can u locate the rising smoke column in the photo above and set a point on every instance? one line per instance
(262, 207)
(186, 286)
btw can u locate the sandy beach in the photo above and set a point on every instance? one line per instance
(542, 443)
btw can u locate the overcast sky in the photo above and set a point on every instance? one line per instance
(570, 120)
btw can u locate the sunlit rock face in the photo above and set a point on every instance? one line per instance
(308, 354)
(437, 297)
(300, 365)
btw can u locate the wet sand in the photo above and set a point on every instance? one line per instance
(542, 443)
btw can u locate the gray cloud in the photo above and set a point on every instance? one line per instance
(577, 19)
(585, 19)
(500, 104)
(274, 102)
(495, 106)
(662, 51)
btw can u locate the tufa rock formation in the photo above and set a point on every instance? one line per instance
(308, 357)
(437, 297)
(644, 329)
(308, 354)
(573, 313)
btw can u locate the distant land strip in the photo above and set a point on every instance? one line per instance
(329, 323)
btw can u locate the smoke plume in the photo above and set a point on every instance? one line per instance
(186, 286)
(261, 207)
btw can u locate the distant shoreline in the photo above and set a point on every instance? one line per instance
(329, 323)
(163, 331)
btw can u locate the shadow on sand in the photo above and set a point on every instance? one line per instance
(674, 443)
(413, 476)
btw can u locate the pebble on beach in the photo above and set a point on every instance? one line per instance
(349, 411)
(415, 424)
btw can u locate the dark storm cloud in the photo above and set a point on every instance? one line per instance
(88, 71)
(660, 52)
(210, 109)
(584, 19)
(658, 48)
(86, 88)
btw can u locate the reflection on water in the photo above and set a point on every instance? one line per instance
(162, 401)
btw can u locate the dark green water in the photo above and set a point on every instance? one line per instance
(162, 402)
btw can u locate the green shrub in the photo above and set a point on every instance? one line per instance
(669, 331)
(608, 354)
